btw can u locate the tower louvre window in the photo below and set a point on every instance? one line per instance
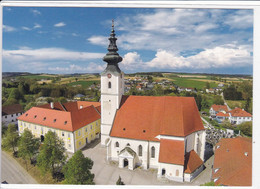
(109, 85)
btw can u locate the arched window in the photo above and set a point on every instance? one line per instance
(140, 150)
(117, 144)
(177, 173)
(109, 85)
(128, 144)
(153, 152)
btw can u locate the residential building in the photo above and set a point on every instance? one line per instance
(76, 123)
(238, 116)
(220, 116)
(165, 133)
(233, 162)
(78, 96)
(214, 109)
(10, 113)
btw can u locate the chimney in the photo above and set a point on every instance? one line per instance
(80, 107)
(52, 105)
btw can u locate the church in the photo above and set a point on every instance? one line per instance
(161, 132)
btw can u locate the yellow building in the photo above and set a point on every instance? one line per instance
(76, 123)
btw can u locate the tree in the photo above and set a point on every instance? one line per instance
(119, 181)
(246, 128)
(29, 106)
(207, 85)
(51, 154)
(28, 146)
(77, 170)
(218, 100)
(11, 138)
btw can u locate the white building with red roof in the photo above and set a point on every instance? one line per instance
(165, 133)
(214, 109)
(76, 123)
(238, 116)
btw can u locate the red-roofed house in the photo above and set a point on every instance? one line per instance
(76, 123)
(233, 162)
(238, 116)
(222, 116)
(163, 132)
(214, 109)
(10, 113)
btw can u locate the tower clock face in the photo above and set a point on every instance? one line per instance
(109, 75)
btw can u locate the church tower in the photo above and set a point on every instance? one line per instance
(112, 87)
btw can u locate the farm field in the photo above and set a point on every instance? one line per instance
(84, 84)
(38, 77)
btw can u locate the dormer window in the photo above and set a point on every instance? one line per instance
(54, 120)
(65, 122)
(26, 114)
(109, 85)
(44, 118)
(35, 116)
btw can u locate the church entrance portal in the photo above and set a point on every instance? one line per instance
(125, 162)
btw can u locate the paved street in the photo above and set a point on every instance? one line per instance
(108, 173)
(12, 172)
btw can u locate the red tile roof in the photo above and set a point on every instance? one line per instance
(192, 162)
(219, 108)
(235, 168)
(64, 120)
(145, 117)
(171, 151)
(238, 112)
(12, 109)
(221, 114)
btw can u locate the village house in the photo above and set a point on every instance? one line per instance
(233, 162)
(238, 116)
(76, 123)
(10, 113)
(214, 109)
(165, 133)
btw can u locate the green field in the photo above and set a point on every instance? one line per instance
(84, 84)
(188, 82)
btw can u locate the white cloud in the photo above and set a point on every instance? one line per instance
(131, 61)
(36, 26)
(218, 57)
(98, 40)
(36, 12)
(48, 54)
(240, 20)
(26, 28)
(60, 24)
(89, 68)
(7, 28)
(74, 34)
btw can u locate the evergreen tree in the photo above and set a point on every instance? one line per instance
(11, 138)
(28, 145)
(77, 170)
(51, 154)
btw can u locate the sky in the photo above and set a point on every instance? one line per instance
(74, 40)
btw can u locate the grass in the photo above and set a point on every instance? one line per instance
(189, 82)
(34, 171)
(84, 84)
(236, 103)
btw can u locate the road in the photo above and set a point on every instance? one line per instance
(13, 173)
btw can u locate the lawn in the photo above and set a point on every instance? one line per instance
(84, 84)
(236, 103)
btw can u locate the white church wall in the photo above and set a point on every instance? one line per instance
(190, 140)
(172, 171)
(154, 162)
